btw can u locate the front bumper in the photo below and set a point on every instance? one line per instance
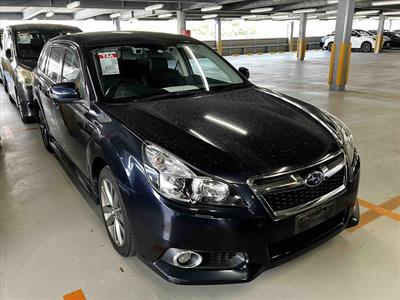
(265, 242)
(25, 94)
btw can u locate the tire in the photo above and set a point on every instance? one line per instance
(114, 214)
(44, 131)
(330, 47)
(366, 47)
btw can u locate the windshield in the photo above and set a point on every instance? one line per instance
(138, 72)
(30, 43)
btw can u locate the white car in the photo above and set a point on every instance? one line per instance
(360, 39)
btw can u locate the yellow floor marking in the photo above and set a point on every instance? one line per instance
(380, 210)
(373, 214)
(8, 133)
(76, 295)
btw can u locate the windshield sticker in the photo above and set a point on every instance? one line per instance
(24, 38)
(109, 63)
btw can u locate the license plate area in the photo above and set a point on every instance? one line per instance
(314, 217)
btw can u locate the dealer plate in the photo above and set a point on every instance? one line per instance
(314, 217)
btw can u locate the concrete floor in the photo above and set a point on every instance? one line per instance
(52, 241)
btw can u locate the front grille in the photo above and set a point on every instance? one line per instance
(217, 258)
(288, 199)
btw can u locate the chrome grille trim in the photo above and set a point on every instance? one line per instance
(292, 180)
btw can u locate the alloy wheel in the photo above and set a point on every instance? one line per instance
(111, 205)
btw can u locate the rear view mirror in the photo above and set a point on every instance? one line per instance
(65, 92)
(8, 53)
(245, 72)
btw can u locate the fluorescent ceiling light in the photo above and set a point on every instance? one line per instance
(249, 17)
(154, 7)
(367, 12)
(116, 15)
(382, 3)
(49, 14)
(304, 11)
(210, 16)
(332, 1)
(261, 10)
(27, 17)
(212, 8)
(392, 13)
(331, 12)
(164, 16)
(74, 4)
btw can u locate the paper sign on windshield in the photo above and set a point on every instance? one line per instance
(109, 63)
(24, 38)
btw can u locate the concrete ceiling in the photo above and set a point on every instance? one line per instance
(101, 9)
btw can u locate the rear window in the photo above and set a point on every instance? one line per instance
(30, 43)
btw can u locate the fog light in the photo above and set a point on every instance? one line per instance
(187, 259)
(184, 257)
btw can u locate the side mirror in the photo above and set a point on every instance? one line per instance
(65, 92)
(8, 53)
(245, 72)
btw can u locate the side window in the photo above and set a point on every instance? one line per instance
(43, 59)
(71, 72)
(54, 63)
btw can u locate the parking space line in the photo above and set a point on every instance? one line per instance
(8, 133)
(380, 210)
(376, 212)
(76, 295)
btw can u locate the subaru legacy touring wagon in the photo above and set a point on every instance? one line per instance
(204, 176)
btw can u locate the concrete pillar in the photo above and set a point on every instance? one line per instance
(181, 20)
(290, 35)
(218, 35)
(341, 49)
(117, 24)
(301, 41)
(379, 35)
(390, 25)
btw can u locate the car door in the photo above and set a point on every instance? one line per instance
(70, 117)
(355, 39)
(50, 70)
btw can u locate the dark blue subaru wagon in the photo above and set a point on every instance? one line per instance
(204, 176)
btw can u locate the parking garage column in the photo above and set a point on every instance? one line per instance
(117, 24)
(218, 35)
(181, 19)
(379, 34)
(301, 42)
(290, 35)
(341, 49)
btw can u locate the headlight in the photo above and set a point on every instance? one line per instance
(25, 76)
(175, 181)
(344, 135)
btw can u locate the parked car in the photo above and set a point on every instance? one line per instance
(324, 38)
(360, 39)
(394, 37)
(206, 177)
(1, 53)
(22, 45)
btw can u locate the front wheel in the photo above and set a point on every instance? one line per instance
(44, 131)
(330, 45)
(24, 119)
(366, 47)
(114, 214)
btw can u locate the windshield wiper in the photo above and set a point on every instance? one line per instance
(231, 87)
(171, 95)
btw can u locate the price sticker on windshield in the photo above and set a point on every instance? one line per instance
(109, 63)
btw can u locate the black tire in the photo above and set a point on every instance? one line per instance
(44, 131)
(127, 247)
(366, 47)
(330, 45)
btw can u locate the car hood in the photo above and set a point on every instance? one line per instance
(232, 135)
